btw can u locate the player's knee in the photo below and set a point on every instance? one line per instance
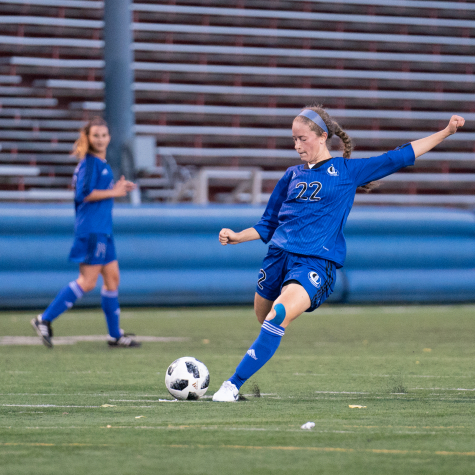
(86, 284)
(111, 286)
(279, 316)
(87, 287)
(111, 280)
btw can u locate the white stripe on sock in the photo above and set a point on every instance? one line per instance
(273, 329)
(110, 293)
(78, 292)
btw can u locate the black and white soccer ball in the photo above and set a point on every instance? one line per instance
(187, 378)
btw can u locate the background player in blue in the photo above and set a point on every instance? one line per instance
(304, 221)
(93, 246)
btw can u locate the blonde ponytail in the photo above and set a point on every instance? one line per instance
(82, 145)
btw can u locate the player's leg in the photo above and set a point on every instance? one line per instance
(268, 289)
(261, 351)
(287, 307)
(110, 306)
(291, 303)
(88, 275)
(306, 286)
(74, 290)
(110, 298)
(83, 252)
(262, 307)
(64, 300)
(269, 281)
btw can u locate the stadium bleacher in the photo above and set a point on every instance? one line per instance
(218, 86)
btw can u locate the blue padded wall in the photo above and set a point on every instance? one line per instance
(170, 255)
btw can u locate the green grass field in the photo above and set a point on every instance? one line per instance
(84, 408)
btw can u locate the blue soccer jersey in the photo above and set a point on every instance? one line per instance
(92, 173)
(308, 209)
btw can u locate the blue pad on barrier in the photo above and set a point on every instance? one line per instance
(279, 314)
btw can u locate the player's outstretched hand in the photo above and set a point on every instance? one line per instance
(123, 186)
(228, 236)
(454, 123)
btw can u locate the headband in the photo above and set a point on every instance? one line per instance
(314, 117)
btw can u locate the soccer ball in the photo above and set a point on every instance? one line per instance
(187, 378)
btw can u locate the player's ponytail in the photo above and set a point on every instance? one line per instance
(334, 129)
(345, 138)
(82, 145)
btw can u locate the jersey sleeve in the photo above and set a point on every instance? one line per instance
(270, 219)
(364, 170)
(86, 180)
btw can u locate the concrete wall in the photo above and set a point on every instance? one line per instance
(170, 255)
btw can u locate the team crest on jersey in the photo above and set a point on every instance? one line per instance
(332, 171)
(315, 279)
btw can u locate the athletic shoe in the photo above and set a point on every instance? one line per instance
(44, 330)
(228, 392)
(123, 342)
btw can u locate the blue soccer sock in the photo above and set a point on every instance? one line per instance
(260, 352)
(110, 306)
(65, 299)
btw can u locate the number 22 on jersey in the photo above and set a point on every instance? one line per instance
(315, 186)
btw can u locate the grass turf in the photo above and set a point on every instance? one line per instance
(412, 367)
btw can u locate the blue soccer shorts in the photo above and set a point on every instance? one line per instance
(93, 249)
(317, 276)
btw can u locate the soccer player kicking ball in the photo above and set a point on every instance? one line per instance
(304, 221)
(93, 246)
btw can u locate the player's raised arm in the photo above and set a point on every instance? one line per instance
(422, 146)
(228, 236)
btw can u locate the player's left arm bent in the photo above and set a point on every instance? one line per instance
(120, 188)
(422, 146)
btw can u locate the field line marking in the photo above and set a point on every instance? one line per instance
(45, 405)
(72, 340)
(341, 392)
(29, 444)
(370, 375)
(403, 427)
(79, 407)
(43, 444)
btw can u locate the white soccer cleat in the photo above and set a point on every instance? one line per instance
(228, 392)
(44, 330)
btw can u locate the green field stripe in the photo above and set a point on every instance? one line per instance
(257, 447)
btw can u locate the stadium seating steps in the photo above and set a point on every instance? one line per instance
(218, 83)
